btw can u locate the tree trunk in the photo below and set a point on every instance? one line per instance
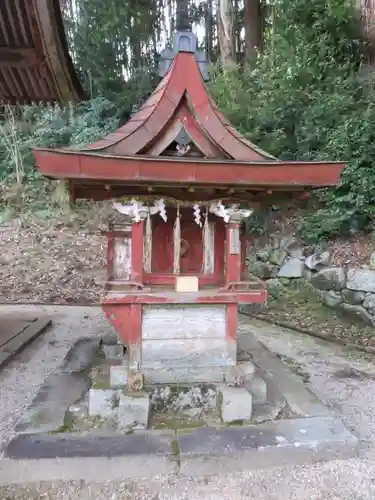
(225, 25)
(209, 30)
(253, 23)
(367, 16)
(183, 21)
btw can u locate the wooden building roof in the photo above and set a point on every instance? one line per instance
(180, 142)
(35, 65)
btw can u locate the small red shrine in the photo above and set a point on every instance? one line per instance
(174, 272)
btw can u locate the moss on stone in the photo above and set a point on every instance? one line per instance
(175, 447)
(296, 367)
(236, 423)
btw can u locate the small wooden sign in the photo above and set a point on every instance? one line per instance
(234, 242)
(187, 284)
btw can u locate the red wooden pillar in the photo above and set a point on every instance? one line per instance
(137, 251)
(127, 321)
(233, 252)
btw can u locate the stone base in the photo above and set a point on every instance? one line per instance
(185, 375)
(133, 411)
(185, 343)
(235, 404)
(205, 451)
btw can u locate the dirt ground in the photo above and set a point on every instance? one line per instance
(62, 259)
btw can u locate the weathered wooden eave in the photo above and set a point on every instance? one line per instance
(35, 65)
(81, 166)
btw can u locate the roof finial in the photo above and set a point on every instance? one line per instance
(183, 21)
(184, 41)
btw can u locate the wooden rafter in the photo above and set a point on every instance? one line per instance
(35, 65)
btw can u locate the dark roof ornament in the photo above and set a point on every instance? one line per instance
(184, 41)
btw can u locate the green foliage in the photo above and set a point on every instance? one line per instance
(113, 42)
(35, 126)
(311, 97)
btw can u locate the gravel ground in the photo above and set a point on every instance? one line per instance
(349, 393)
(21, 378)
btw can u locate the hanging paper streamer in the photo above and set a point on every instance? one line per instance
(147, 245)
(133, 210)
(219, 210)
(197, 215)
(177, 243)
(160, 207)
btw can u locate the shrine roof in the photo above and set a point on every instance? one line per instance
(179, 137)
(180, 100)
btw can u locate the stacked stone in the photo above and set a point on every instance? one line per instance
(350, 291)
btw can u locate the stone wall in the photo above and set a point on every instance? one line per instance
(350, 291)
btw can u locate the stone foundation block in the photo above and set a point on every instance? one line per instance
(118, 376)
(114, 352)
(236, 404)
(79, 411)
(133, 412)
(185, 375)
(102, 403)
(239, 375)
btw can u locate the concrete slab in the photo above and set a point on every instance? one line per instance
(204, 451)
(11, 326)
(301, 400)
(70, 457)
(90, 469)
(81, 355)
(208, 451)
(70, 445)
(47, 410)
(19, 336)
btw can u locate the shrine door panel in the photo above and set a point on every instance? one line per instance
(191, 261)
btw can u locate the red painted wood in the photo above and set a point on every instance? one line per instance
(181, 93)
(170, 279)
(288, 176)
(231, 322)
(126, 319)
(134, 123)
(137, 251)
(219, 258)
(233, 261)
(254, 296)
(192, 260)
(184, 117)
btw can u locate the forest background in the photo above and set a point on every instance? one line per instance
(294, 76)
